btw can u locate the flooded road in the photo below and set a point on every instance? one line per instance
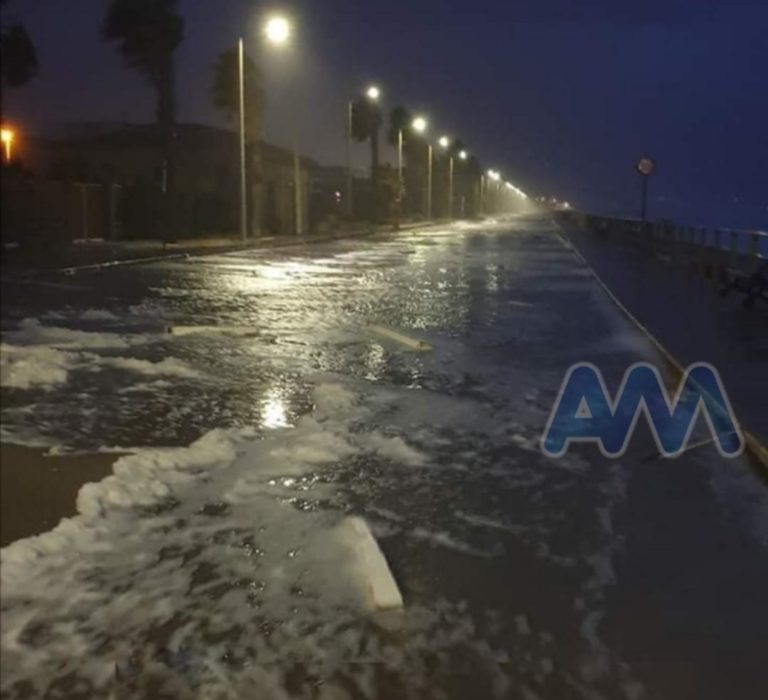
(266, 396)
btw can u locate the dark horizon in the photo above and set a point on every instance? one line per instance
(563, 100)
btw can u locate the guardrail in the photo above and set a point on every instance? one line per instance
(720, 253)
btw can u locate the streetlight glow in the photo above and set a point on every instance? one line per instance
(6, 137)
(463, 155)
(444, 141)
(277, 30)
(373, 93)
(419, 125)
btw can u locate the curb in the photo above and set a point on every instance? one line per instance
(264, 243)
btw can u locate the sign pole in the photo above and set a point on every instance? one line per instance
(645, 166)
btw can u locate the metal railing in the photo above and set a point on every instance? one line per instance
(716, 249)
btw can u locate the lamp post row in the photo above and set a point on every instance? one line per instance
(277, 32)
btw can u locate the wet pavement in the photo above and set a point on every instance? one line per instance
(265, 396)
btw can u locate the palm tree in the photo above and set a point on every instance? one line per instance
(17, 55)
(365, 125)
(414, 179)
(400, 119)
(148, 32)
(225, 91)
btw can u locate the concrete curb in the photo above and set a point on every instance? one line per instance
(258, 243)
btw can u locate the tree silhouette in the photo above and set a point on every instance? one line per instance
(400, 120)
(148, 33)
(365, 125)
(225, 88)
(18, 58)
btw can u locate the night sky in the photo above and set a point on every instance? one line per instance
(561, 96)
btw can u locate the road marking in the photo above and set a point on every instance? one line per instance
(413, 343)
(512, 302)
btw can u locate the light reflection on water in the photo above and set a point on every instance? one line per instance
(273, 411)
(479, 519)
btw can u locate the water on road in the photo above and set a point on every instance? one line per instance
(265, 396)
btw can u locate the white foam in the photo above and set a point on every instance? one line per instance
(98, 315)
(146, 387)
(31, 332)
(170, 522)
(169, 367)
(40, 367)
(444, 539)
(393, 448)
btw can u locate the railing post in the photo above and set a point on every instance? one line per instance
(754, 250)
(719, 256)
(734, 248)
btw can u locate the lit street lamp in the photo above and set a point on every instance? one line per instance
(277, 31)
(6, 137)
(463, 155)
(495, 176)
(445, 143)
(372, 93)
(419, 125)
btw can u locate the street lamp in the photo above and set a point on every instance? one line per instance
(495, 176)
(277, 31)
(445, 143)
(372, 93)
(419, 125)
(7, 136)
(463, 155)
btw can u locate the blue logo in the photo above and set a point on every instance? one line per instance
(584, 412)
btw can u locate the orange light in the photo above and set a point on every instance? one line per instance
(7, 136)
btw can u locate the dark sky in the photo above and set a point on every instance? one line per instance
(562, 96)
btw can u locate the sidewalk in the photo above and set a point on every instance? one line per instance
(685, 313)
(83, 254)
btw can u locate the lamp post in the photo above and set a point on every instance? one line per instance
(277, 31)
(241, 96)
(419, 125)
(400, 170)
(463, 155)
(349, 159)
(495, 176)
(645, 166)
(445, 143)
(372, 93)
